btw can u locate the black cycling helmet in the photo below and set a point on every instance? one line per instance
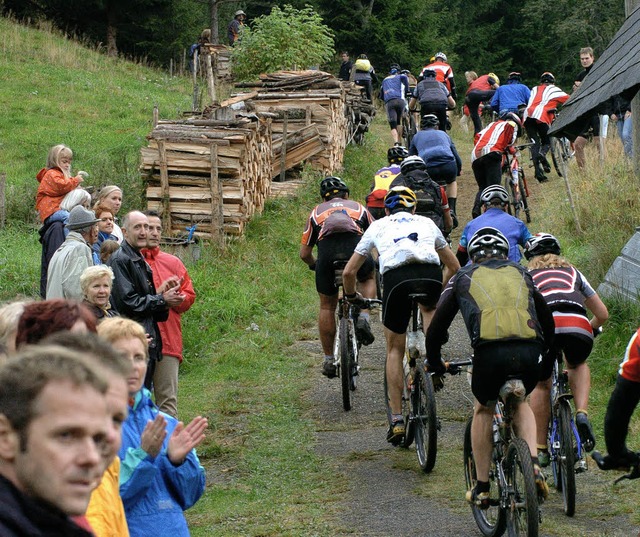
(488, 242)
(494, 192)
(395, 68)
(400, 198)
(514, 75)
(330, 186)
(429, 73)
(411, 163)
(397, 154)
(429, 121)
(540, 244)
(547, 77)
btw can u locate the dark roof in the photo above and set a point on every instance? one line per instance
(616, 71)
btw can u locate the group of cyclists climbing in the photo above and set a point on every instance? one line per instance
(519, 319)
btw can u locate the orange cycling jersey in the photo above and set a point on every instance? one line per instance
(630, 366)
(335, 216)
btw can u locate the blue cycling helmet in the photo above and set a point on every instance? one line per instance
(400, 198)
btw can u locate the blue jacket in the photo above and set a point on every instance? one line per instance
(435, 147)
(154, 491)
(507, 98)
(394, 87)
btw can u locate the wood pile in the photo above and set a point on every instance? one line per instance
(360, 113)
(214, 173)
(220, 60)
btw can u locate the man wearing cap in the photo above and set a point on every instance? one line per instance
(235, 27)
(70, 260)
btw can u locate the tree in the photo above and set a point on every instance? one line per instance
(287, 38)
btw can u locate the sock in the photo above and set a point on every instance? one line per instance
(482, 486)
(542, 447)
(452, 204)
(395, 418)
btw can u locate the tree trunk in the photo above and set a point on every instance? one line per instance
(213, 5)
(112, 30)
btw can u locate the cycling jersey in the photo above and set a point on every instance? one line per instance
(435, 147)
(630, 366)
(431, 91)
(402, 239)
(564, 288)
(543, 99)
(444, 74)
(482, 83)
(497, 136)
(335, 216)
(380, 187)
(394, 87)
(509, 97)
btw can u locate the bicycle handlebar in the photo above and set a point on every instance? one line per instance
(455, 368)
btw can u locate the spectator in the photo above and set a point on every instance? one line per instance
(9, 316)
(480, 90)
(56, 181)
(161, 474)
(234, 30)
(63, 279)
(106, 250)
(44, 317)
(345, 67)
(620, 112)
(111, 197)
(165, 266)
(96, 283)
(134, 293)
(433, 96)
(512, 97)
(53, 424)
(105, 231)
(53, 232)
(364, 75)
(592, 124)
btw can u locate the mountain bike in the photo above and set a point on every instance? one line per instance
(346, 347)
(409, 128)
(513, 503)
(561, 154)
(515, 183)
(566, 451)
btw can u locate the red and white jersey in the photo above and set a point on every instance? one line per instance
(544, 98)
(630, 366)
(443, 70)
(497, 136)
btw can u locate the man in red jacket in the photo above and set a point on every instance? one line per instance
(164, 265)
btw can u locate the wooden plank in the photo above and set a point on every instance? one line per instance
(238, 98)
(216, 198)
(164, 187)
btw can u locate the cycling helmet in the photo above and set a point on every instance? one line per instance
(495, 77)
(441, 55)
(397, 154)
(514, 75)
(488, 242)
(512, 116)
(429, 121)
(547, 77)
(494, 192)
(399, 198)
(395, 68)
(429, 73)
(330, 186)
(540, 244)
(412, 163)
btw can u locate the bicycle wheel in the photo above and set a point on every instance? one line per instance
(523, 195)
(406, 131)
(492, 521)
(423, 407)
(522, 509)
(556, 155)
(567, 456)
(406, 396)
(346, 362)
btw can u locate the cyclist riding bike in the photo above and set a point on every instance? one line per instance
(622, 403)
(393, 91)
(444, 72)
(569, 295)
(509, 325)
(480, 90)
(539, 115)
(434, 97)
(382, 180)
(491, 143)
(432, 198)
(512, 97)
(335, 227)
(411, 249)
(494, 201)
(441, 157)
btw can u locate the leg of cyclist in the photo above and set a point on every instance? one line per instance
(539, 402)
(367, 288)
(532, 128)
(327, 329)
(545, 142)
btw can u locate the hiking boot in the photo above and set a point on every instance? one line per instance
(541, 483)
(395, 434)
(329, 369)
(585, 431)
(481, 499)
(544, 458)
(545, 164)
(363, 331)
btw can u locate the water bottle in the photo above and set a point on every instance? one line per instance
(413, 345)
(514, 176)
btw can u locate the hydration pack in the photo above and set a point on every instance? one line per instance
(427, 192)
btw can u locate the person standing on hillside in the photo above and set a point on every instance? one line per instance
(345, 67)
(592, 123)
(235, 27)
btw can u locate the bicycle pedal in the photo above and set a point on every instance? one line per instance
(438, 424)
(581, 466)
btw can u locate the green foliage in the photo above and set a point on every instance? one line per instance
(287, 38)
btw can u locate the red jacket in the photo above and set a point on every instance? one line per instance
(544, 98)
(443, 70)
(53, 187)
(630, 366)
(482, 83)
(498, 136)
(163, 266)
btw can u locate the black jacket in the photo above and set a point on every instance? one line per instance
(21, 516)
(134, 295)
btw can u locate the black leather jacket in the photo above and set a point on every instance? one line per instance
(134, 294)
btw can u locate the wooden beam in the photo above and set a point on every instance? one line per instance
(217, 213)
(164, 187)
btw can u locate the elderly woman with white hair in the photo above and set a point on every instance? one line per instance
(96, 283)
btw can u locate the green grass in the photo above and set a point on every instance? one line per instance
(264, 478)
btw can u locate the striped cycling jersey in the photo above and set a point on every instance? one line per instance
(544, 98)
(630, 366)
(496, 137)
(335, 216)
(444, 73)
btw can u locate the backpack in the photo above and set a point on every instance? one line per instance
(427, 192)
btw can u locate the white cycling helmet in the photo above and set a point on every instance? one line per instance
(488, 242)
(494, 192)
(441, 55)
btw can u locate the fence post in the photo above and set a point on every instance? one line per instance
(3, 201)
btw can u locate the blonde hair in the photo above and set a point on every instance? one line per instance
(548, 261)
(470, 76)
(117, 328)
(104, 192)
(93, 273)
(9, 317)
(55, 155)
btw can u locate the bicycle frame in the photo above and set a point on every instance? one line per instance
(515, 183)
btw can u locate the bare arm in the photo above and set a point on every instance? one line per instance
(306, 254)
(350, 272)
(451, 264)
(600, 313)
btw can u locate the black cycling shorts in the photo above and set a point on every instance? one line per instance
(576, 349)
(398, 283)
(395, 109)
(333, 248)
(444, 174)
(495, 363)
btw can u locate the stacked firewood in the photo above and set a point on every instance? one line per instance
(220, 60)
(359, 111)
(216, 174)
